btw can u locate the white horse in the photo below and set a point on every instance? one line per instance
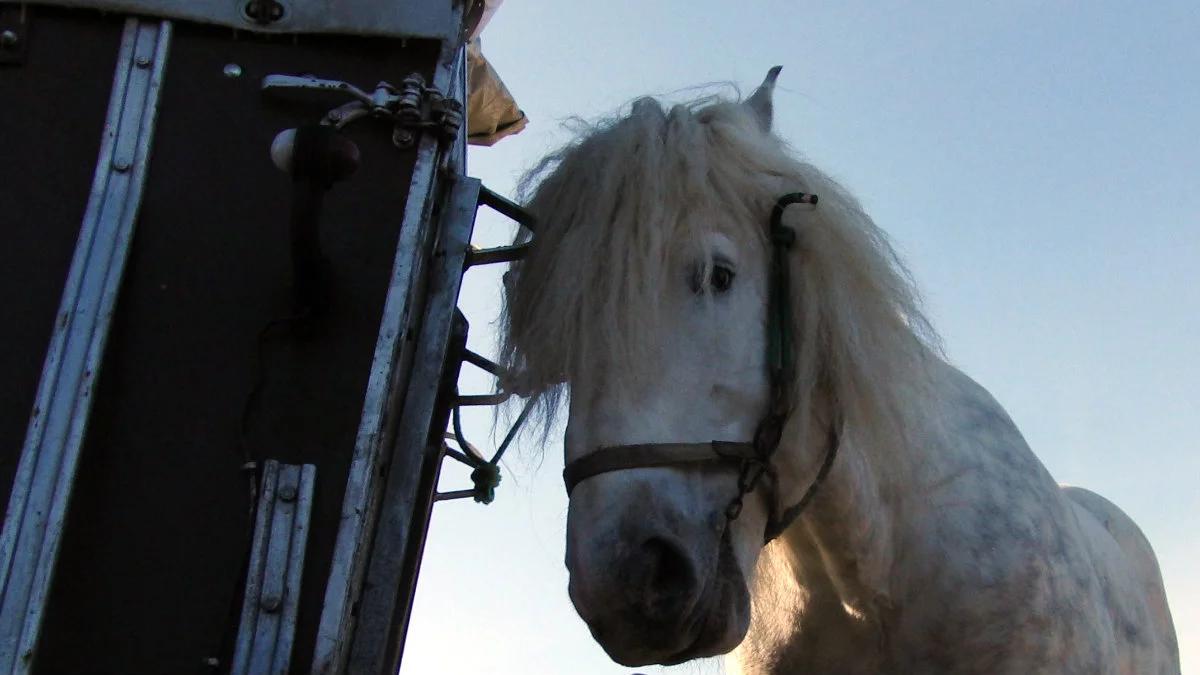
(936, 542)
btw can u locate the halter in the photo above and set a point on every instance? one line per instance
(752, 459)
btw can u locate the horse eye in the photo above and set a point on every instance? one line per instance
(721, 279)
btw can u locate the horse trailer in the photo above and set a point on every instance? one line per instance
(235, 234)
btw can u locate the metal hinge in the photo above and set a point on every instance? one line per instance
(411, 108)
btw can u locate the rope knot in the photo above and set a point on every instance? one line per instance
(486, 478)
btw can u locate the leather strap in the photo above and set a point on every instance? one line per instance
(644, 455)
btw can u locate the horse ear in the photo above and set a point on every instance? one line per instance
(759, 102)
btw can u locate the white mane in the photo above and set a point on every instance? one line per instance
(619, 207)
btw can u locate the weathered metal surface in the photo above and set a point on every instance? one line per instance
(272, 597)
(45, 183)
(208, 365)
(389, 376)
(391, 18)
(45, 477)
(209, 362)
(416, 452)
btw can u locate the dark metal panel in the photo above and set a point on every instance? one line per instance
(208, 365)
(46, 166)
(45, 477)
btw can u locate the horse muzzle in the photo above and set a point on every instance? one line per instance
(654, 594)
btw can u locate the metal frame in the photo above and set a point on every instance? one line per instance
(271, 602)
(398, 450)
(37, 509)
(390, 375)
(383, 18)
(416, 454)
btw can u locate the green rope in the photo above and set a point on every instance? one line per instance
(486, 478)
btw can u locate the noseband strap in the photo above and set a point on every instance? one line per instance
(753, 459)
(647, 455)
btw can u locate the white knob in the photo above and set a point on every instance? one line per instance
(283, 150)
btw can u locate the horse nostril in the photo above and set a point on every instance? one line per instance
(668, 579)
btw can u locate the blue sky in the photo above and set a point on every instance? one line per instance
(1036, 163)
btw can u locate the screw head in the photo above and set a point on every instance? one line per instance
(232, 70)
(121, 165)
(9, 39)
(287, 493)
(143, 62)
(271, 603)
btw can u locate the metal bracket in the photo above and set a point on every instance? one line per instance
(271, 602)
(412, 107)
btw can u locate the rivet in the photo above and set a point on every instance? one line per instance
(9, 39)
(287, 493)
(271, 603)
(121, 165)
(143, 62)
(232, 70)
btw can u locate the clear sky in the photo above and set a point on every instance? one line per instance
(1038, 165)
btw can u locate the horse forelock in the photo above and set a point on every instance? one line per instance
(616, 208)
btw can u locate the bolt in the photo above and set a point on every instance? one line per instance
(121, 165)
(271, 603)
(287, 493)
(232, 70)
(9, 39)
(143, 62)
(402, 138)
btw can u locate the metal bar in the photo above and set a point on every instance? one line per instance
(287, 84)
(462, 457)
(383, 614)
(390, 369)
(453, 494)
(270, 604)
(254, 571)
(483, 363)
(37, 509)
(506, 207)
(482, 399)
(499, 254)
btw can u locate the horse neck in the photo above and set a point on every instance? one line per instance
(844, 544)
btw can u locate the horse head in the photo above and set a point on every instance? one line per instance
(651, 297)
